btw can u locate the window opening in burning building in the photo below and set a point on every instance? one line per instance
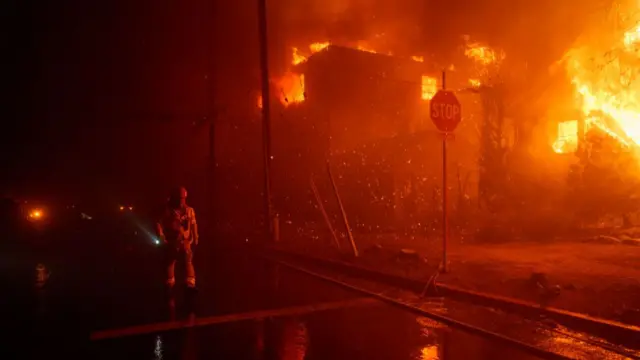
(567, 139)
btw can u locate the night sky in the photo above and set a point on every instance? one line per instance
(103, 95)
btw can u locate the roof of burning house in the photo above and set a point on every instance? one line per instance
(388, 66)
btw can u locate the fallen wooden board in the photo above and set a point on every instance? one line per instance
(220, 319)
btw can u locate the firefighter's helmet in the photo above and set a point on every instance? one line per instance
(179, 192)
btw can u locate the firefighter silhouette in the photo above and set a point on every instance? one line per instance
(178, 231)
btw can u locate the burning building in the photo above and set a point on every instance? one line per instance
(368, 114)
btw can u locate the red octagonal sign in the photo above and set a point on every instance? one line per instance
(445, 111)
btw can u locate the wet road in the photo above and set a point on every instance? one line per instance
(99, 289)
(239, 283)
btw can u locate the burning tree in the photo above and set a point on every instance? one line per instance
(492, 157)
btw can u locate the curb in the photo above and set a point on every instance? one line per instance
(627, 335)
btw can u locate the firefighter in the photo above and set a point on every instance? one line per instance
(178, 231)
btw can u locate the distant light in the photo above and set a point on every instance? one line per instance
(131, 208)
(36, 214)
(157, 241)
(121, 208)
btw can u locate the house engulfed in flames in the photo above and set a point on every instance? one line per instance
(368, 114)
(602, 67)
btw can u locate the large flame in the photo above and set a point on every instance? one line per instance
(291, 85)
(483, 54)
(291, 88)
(605, 71)
(485, 59)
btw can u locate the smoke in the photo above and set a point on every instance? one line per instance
(385, 25)
(535, 30)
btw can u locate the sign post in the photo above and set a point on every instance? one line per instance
(446, 114)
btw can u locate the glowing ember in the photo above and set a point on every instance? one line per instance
(475, 82)
(259, 101)
(418, 58)
(606, 76)
(429, 87)
(567, 139)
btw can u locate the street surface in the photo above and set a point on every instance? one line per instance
(98, 283)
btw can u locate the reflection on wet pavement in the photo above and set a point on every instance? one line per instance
(359, 332)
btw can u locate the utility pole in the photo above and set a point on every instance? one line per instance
(210, 18)
(266, 118)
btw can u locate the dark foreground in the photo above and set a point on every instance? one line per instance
(107, 287)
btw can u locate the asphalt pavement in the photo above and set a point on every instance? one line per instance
(102, 279)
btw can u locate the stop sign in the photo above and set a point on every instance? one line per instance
(445, 111)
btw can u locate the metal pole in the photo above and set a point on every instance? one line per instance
(344, 213)
(316, 193)
(445, 208)
(266, 115)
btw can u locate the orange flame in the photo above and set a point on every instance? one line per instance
(291, 87)
(484, 55)
(429, 87)
(567, 139)
(319, 46)
(297, 57)
(417, 58)
(486, 59)
(365, 48)
(606, 78)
